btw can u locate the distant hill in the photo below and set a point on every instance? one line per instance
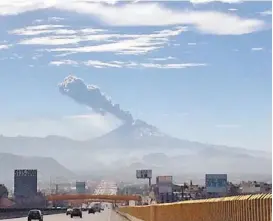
(142, 137)
(137, 145)
(48, 168)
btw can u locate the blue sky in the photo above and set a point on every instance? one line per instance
(200, 72)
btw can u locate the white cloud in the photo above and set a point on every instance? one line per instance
(163, 59)
(100, 64)
(50, 19)
(53, 29)
(124, 43)
(55, 19)
(37, 21)
(131, 64)
(266, 13)
(42, 29)
(69, 39)
(119, 43)
(50, 40)
(64, 62)
(15, 7)
(5, 46)
(233, 9)
(257, 49)
(209, 1)
(156, 15)
(172, 66)
(144, 14)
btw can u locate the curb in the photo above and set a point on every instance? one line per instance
(123, 215)
(127, 216)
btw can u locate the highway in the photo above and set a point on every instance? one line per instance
(104, 188)
(106, 215)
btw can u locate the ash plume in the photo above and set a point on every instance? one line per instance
(91, 96)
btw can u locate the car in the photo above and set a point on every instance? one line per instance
(68, 211)
(76, 212)
(35, 214)
(91, 210)
(97, 207)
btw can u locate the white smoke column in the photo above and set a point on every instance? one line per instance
(91, 96)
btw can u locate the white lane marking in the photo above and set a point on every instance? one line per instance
(109, 216)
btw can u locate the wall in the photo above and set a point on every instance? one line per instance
(238, 208)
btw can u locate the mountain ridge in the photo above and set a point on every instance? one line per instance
(127, 128)
(48, 168)
(120, 147)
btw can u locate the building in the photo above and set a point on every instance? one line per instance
(255, 187)
(164, 189)
(80, 187)
(25, 183)
(216, 185)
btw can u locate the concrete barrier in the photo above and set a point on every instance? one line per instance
(17, 213)
(256, 207)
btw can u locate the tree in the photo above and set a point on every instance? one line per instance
(3, 191)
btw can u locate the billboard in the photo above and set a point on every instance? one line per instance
(216, 183)
(25, 183)
(164, 180)
(80, 187)
(144, 174)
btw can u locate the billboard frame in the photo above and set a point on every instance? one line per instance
(144, 174)
(216, 183)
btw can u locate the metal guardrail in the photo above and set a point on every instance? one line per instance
(92, 196)
(8, 210)
(11, 213)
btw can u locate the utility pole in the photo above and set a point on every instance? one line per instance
(57, 189)
(182, 192)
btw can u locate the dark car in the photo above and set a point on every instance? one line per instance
(69, 211)
(35, 214)
(91, 210)
(76, 212)
(97, 207)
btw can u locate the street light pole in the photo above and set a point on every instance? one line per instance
(182, 192)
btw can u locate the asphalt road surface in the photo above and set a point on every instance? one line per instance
(106, 215)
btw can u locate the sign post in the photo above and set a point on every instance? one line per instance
(144, 174)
